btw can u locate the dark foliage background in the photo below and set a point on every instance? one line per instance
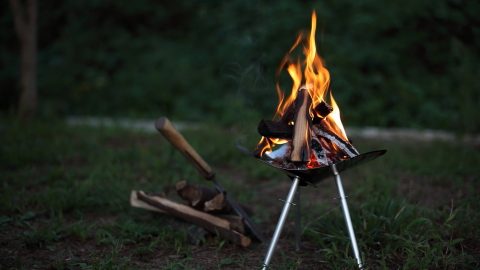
(398, 63)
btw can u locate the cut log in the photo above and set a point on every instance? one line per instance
(301, 131)
(135, 202)
(321, 111)
(275, 129)
(211, 223)
(217, 204)
(195, 196)
(281, 129)
(220, 205)
(236, 222)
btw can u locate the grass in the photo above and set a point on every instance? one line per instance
(64, 203)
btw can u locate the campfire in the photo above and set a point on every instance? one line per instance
(306, 131)
(306, 138)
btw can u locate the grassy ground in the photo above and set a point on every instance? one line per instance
(64, 203)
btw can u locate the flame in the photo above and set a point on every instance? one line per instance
(267, 144)
(316, 79)
(334, 120)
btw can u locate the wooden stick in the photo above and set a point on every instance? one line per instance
(301, 131)
(211, 223)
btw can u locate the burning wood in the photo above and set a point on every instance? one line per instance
(301, 132)
(275, 129)
(308, 132)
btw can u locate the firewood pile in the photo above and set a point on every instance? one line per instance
(304, 136)
(204, 207)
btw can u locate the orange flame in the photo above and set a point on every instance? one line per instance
(334, 120)
(316, 79)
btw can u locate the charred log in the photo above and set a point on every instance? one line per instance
(345, 146)
(321, 111)
(275, 129)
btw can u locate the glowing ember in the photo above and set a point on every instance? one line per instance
(325, 139)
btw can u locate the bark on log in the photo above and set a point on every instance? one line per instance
(211, 223)
(301, 131)
(195, 196)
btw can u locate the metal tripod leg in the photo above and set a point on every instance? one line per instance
(281, 222)
(346, 214)
(298, 221)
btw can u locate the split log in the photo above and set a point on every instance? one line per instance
(301, 131)
(275, 129)
(220, 205)
(345, 146)
(217, 204)
(195, 196)
(282, 130)
(236, 222)
(135, 202)
(211, 223)
(322, 110)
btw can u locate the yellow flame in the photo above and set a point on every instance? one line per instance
(334, 118)
(316, 79)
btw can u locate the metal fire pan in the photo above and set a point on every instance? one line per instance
(313, 176)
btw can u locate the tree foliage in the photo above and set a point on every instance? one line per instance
(408, 63)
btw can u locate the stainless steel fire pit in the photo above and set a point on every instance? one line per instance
(310, 177)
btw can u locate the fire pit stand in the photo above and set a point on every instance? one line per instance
(281, 221)
(304, 177)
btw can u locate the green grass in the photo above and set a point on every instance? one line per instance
(64, 203)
